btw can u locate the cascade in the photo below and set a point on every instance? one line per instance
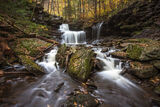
(72, 37)
(96, 30)
(112, 69)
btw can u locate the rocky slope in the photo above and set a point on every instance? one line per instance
(139, 20)
(26, 32)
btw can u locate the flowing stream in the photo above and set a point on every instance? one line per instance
(112, 88)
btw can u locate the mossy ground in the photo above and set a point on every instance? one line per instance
(20, 13)
(29, 46)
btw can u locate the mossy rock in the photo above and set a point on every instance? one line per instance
(144, 50)
(30, 65)
(134, 51)
(143, 70)
(29, 46)
(81, 100)
(80, 64)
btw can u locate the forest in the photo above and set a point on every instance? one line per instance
(83, 9)
(79, 53)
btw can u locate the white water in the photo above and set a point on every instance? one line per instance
(42, 94)
(112, 69)
(72, 37)
(96, 31)
(50, 63)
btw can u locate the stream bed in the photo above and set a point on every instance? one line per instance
(53, 89)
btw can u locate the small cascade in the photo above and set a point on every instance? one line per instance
(112, 69)
(72, 37)
(96, 30)
(50, 63)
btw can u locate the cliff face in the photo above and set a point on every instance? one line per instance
(141, 19)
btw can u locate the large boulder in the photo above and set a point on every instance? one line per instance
(142, 70)
(80, 64)
(77, 61)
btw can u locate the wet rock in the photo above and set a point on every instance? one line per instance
(80, 64)
(62, 55)
(98, 65)
(119, 54)
(59, 87)
(81, 100)
(105, 50)
(156, 64)
(157, 90)
(142, 70)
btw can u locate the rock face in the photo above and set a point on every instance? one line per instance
(140, 19)
(77, 61)
(80, 64)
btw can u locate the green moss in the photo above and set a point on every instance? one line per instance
(128, 26)
(20, 13)
(134, 51)
(31, 65)
(80, 64)
(31, 27)
(31, 47)
(136, 32)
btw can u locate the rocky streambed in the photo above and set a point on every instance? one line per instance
(81, 74)
(88, 76)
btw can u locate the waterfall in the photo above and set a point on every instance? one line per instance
(96, 30)
(72, 37)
